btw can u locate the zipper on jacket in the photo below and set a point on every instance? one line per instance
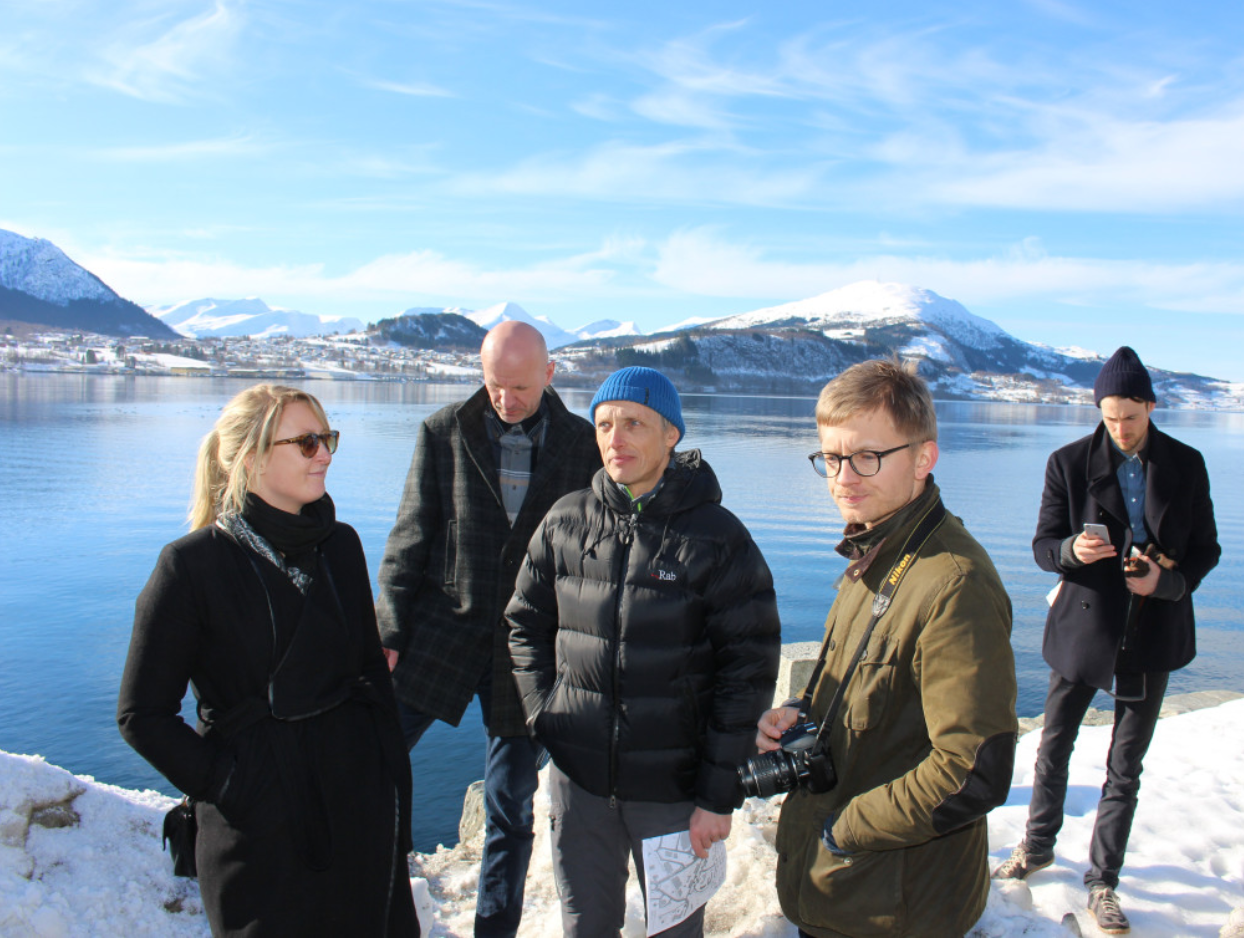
(629, 523)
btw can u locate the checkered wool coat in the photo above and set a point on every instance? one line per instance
(451, 559)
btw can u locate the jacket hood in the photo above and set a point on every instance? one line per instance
(688, 481)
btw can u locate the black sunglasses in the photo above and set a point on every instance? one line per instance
(865, 463)
(309, 443)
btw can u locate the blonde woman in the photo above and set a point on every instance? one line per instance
(297, 768)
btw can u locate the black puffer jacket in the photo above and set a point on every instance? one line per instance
(646, 644)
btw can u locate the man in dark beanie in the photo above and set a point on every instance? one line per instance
(1127, 523)
(645, 639)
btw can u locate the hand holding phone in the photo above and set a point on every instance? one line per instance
(1099, 531)
(1091, 553)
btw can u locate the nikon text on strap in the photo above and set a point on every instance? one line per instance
(929, 522)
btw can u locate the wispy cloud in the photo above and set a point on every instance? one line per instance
(154, 61)
(412, 89)
(917, 110)
(520, 13)
(699, 261)
(1067, 12)
(234, 146)
(677, 172)
(1100, 164)
(399, 279)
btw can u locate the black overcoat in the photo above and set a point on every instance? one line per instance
(303, 821)
(451, 559)
(1085, 624)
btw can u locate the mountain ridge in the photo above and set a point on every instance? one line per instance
(40, 284)
(792, 347)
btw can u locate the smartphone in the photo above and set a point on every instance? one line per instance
(1098, 531)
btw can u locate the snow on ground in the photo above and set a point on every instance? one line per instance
(165, 360)
(451, 371)
(79, 858)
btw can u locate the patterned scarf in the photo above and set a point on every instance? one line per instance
(286, 541)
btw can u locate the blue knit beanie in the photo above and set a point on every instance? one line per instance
(645, 386)
(1123, 376)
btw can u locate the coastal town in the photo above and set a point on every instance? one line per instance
(350, 357)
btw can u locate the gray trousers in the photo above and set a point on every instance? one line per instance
(591, 843)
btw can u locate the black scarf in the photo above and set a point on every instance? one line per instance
(859, 541)
(294, 536)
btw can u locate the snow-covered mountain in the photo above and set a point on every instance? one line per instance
(607, 329)
(39, 284)
(554, 335)
(252, 317)
(870, 304)
(41, 269)
(799, 346)
(692, 323)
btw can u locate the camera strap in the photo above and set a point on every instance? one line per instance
(929, 522)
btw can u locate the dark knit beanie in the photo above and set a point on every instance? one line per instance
(645, 386)
(1123, 376)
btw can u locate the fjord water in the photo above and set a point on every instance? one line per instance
(95, 473)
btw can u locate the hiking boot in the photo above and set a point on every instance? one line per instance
(1022, 863)
(1104, 905)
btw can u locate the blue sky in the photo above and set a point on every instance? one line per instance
(1069, 170)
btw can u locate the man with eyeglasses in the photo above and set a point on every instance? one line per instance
(1115, 624)
(916, 692)
(484, 472)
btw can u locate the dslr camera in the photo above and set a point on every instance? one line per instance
(792, 764)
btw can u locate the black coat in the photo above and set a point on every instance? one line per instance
(303, 821)
(646, 645)
(450, 561)
(1085, 625)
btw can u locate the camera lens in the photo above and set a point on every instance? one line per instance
(772, 773)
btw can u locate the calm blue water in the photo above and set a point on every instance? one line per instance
(96, 474)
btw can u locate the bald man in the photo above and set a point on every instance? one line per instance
(484, 473)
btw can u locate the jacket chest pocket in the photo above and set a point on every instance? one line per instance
(872, 686)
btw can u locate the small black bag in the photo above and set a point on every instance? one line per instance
(181, 829)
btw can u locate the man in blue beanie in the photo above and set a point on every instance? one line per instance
(1127, 522)
(645, 639)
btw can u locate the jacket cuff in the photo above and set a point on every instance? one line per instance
(1171, 585)
(829, 841)
(1067, 555)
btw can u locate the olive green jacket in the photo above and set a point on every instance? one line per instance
(923, 746)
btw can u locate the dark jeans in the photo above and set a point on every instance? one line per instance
(1134, 721)
(510, 778)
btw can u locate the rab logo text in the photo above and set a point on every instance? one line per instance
(664, 575)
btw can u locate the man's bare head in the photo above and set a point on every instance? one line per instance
(516, 369)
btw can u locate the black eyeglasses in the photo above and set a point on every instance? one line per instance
(867, 462)
(309, 443)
